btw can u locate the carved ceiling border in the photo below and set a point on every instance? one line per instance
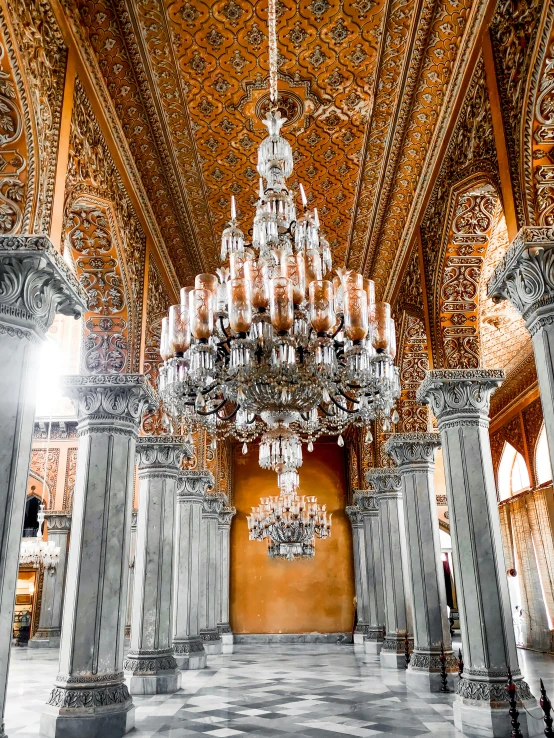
(428, 171)
(90, 63)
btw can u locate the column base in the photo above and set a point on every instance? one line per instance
(52, 642)
(152, 672)
(423, 674)
(83, 711)
(190, 654)
(373, 647)
(393, 654)
(211, 641)
(227, 637)
(494, 722)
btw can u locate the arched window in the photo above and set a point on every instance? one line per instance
(542, 459)
(30, 525)
(512, 473)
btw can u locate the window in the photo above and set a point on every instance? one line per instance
(512, 473)
(542, 459)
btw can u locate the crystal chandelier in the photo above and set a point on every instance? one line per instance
(39, 553)
(274, 346)
(291, 523)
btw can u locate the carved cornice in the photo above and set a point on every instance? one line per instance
(35, 284)
(459, 393)
(409, 450)
(161, 454)
(58, 521)
(384, 481)
(102, 399)
(193, 485)
(525, 276)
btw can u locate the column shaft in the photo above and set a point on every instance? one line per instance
(213, 505)
(414, 454)
(89, 697)
(223, 573)
(132, 555)
(187, 642)
(150, 666)
(369, 507)
(360, 573)
(50, 622)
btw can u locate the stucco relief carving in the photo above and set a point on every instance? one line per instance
(70, 478)
(44, 56)
(44, 465)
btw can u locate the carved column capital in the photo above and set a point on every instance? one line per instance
(525, 276)
(161, 455)
(460, 396)
(213, 505)
(110, 402)
(412, 451)
(35, 284)
(385, 481)
(192, 485)
(58, 521)
(355, 515)
(366, 501)
(226, 516)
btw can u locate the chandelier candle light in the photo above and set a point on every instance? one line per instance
(274, 346)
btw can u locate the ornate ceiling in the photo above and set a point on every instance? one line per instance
(362, 82)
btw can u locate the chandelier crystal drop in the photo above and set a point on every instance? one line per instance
(274, 345)
(290, 523)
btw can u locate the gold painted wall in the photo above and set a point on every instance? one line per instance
(274, 596)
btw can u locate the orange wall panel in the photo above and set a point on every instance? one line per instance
(301, 596)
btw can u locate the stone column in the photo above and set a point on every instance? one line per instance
(187, 641)
(35, 284)
(223, 574)
(360, 573)
(398, 617)
(525, 277)
(51, 608)
(132, 554)
(414, 455)
(89, 697)
(369, 510)
(150, 667)
(460, 401)
(209, 606)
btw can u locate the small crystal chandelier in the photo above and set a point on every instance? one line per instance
(36, 552)
(273, 346)
(291, 523)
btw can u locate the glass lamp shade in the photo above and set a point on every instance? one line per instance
(206, 282)
(201, 313)
(391, 329)
(281, 305)
(240, 305)
(314, 269)
(369, 287)
(353, 280)
(179, 329)
(165, 350)
(356, 322)
(237, 262)
(184, 295)
(293, 267)
(257, 273)
(381, 330)
(322, 306)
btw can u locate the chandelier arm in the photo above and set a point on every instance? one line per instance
(212, 412)
(227, 418)
(344, 409)
(350, 399)
(324, 411)
(223, 327)
(339, 329)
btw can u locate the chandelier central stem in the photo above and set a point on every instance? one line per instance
(272, 24)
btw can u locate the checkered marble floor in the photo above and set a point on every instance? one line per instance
(320, 691)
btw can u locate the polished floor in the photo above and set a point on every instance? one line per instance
(320, 691)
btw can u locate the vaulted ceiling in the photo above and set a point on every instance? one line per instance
(362, 83)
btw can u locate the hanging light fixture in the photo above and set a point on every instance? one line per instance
(274, 346)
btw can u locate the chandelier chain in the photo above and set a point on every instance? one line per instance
(273, 54)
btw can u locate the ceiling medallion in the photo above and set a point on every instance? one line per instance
(274, 347)
(289, 105)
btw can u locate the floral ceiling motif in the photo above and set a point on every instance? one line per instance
(362, 82)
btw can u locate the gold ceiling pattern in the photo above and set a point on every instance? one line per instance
(362, 82)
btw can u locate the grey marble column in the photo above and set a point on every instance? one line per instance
(90, 697)
(132, 554)
(209, 607)
(460, 402)
(414, 455)
(223, 574)
(525, 277)
(150, 666)
(368, 506)
(35, 284)
(387, 485)
(187, 641)
(50, 622)
(360, 573)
